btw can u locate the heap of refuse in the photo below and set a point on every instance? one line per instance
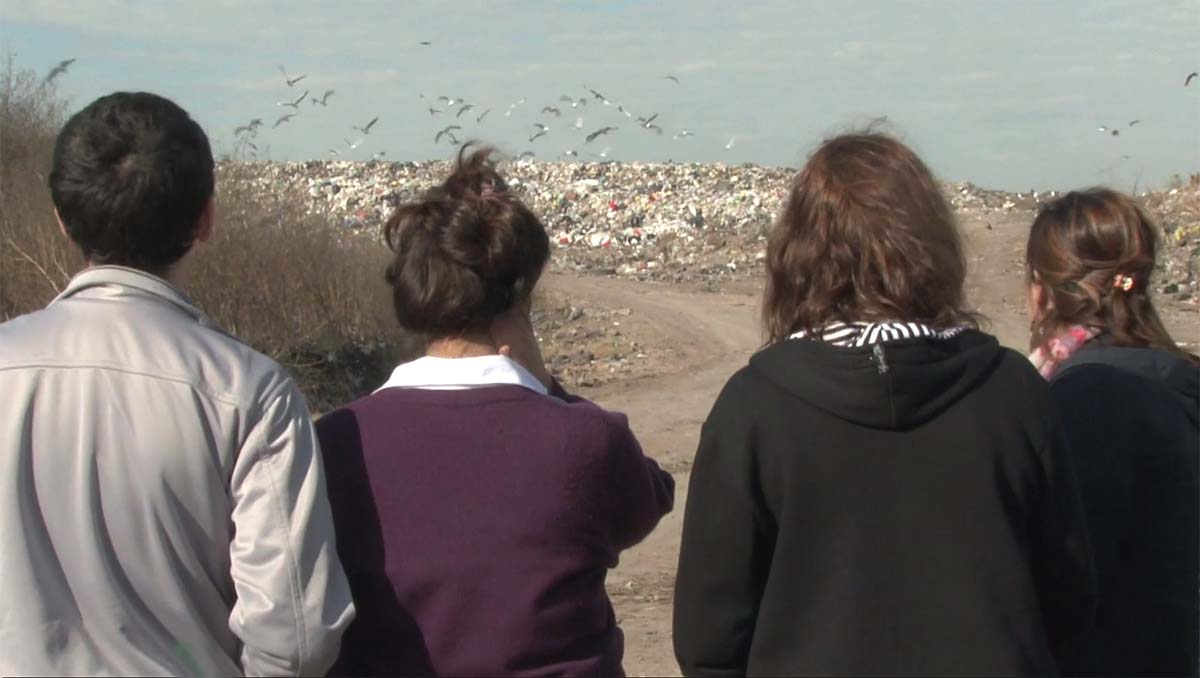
(667, 222)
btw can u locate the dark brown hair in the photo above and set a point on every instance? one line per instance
(866, 235)
(1078, 246)
(466, 251)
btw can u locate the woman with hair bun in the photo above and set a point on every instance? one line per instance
(477, 505)
(1130, 400)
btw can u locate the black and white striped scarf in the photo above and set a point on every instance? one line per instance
(853, 335)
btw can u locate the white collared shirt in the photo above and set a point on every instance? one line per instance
(456, 374)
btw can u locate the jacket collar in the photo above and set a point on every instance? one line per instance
(462, 373)
(130, 279)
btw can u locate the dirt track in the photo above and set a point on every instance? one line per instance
(717, 332)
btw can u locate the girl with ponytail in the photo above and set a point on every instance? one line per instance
(1130, 402)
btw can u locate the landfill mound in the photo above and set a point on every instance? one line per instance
(670, 222)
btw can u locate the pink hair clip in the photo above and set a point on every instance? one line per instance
(1123, 282)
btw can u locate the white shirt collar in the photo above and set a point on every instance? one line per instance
(450, 374)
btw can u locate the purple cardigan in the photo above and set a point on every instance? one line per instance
(477, 526)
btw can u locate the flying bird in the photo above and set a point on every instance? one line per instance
(526, 155)
(464, 109)
(541, 127)
(579, 102)
(447, 100)
(550, 109)
(378, 155)
(250, 127)
(434, 111)
(291, 82)
(1133, 122)
(627, 113)
(355, 144)
(645, 122)
(656, 128)
(730, 144)
(513, 106)
(684, 133)
(294, 104)
(366, 129)
(600, 132)
(448, 131)
(1114, 132)
(570, 153)
(58, 70)
(283, 119)
(334, 151)
(541, 133)
(671, 78)
(425, 43)
(578, 123)
(596, 94)
(324, 100)
(483, 115)
(1186, 82)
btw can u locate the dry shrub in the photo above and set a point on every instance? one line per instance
(278, 278)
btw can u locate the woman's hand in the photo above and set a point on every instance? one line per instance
(512, 332)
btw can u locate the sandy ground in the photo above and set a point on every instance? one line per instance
(711, 335)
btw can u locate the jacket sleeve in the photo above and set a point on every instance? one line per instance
(640, 493)
(293, 600)
(725, 551)
(1063, 566)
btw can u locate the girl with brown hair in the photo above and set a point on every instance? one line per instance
(1130, 400)
(883, 490)
(478, 506)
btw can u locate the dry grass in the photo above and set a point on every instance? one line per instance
(273, 275)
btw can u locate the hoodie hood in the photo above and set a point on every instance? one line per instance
(1172, 370)
(891, 385)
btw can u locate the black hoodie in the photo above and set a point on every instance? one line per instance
(1131, 416)
(907, 508)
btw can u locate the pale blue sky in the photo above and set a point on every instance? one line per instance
(1005, 93)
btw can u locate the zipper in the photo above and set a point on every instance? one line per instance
(880, 360)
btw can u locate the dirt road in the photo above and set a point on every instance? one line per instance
(717, 332)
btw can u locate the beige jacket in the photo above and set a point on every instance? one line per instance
(162, 501)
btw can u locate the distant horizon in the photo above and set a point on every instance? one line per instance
(1008, 96)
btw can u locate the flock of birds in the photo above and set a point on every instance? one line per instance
(457, 107)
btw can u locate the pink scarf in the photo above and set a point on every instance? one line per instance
(1051, 355)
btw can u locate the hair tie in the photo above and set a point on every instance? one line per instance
(1123, 282)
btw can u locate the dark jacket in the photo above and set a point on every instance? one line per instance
(904, 509)
(1131, 416)
(477, 526)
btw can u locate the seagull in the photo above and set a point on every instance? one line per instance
(550, 109)
(251, 145)
(579, 102)
(512, 106)
(602, 131)
(425, 43)
(671, 78)
(483, 115)
(1186, 82)
(378, 155)
(627, 113)
(434, 111)
(541, 133)
(604, 153)
(463, 109)
(58, 70)
(566, 99)
(541, 127)
(324, 100)
(334, 151)
(570, 153)
(283, 119)
(447, 100)
(598, 95)
(730, 144)
(250, 127)
(656, 128)
(366, 129)
(355, 144)
(578, 123)
(646, 121)
(1114, 132)
(291, 82)
(448, 131)
(1133, 122)
(294, 104)
(684, 133)
(525, 155)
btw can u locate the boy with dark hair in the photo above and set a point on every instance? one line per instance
(162, 504)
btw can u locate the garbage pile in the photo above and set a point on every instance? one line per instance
(668, 222)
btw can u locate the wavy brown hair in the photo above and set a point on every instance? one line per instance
(465, 252)
(1078, 246)
(866, 235)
